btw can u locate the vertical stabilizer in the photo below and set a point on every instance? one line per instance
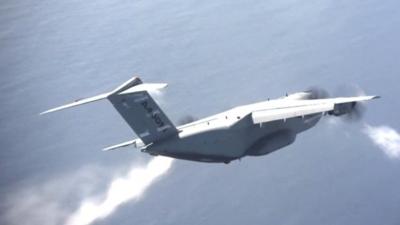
(141, 112)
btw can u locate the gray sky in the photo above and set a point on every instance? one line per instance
(214, 55)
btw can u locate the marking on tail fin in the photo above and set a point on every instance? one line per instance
(141, 99)
(156, 118)
(164, 128)
(153, 113)
(144, 134)
(143, 115)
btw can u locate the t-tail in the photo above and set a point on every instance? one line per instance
(133, 101)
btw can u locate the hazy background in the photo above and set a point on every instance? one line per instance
(214, 55)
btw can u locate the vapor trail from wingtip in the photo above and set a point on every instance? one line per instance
(121, 190)
(386, 138)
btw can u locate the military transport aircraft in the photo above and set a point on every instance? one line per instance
(248, 130)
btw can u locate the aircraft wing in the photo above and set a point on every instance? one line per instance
(299, 108)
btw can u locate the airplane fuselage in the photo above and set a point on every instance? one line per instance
(232, 135)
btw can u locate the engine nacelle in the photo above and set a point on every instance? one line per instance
(341, 109)
(272, 142)
(299, 96)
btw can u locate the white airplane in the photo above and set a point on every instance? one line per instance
(248, 130)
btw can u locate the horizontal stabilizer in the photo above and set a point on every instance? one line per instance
(128, 84)
(131, 86)
(135, 104)
(145, 87)
(137, 143)
(77, 102)
(124, 144)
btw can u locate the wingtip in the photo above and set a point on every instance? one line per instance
(52, 110)
(45, 112)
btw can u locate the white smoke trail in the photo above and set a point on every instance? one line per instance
(47, 203)
(120, 191)
(386, 138)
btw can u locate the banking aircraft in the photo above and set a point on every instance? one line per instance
(248, 130)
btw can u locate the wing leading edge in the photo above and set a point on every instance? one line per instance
(304, 108)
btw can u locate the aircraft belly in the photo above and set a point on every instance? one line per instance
(218, 145)
(224, 144)
(275, 135)
(245, 138)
